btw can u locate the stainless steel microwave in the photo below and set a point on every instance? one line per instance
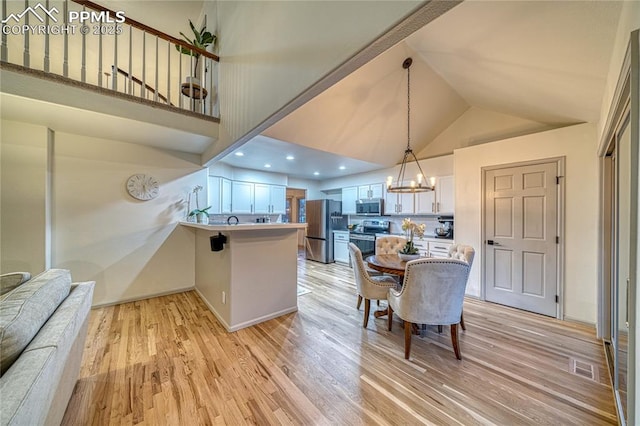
(370, 207)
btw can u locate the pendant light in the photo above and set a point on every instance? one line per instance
(419, 184)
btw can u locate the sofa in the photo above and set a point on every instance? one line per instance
(43, 328)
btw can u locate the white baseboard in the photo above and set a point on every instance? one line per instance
(249, 323)
(145, 297)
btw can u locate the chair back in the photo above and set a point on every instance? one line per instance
(462, 252)
(433, 291)
(390, 245)
(359, 270)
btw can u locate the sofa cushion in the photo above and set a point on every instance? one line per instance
(12, 280)
(26, 308)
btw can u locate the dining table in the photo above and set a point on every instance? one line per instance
(387, 263)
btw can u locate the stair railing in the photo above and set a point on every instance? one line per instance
(86, 42)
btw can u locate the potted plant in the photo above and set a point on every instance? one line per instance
(201, 215)
(202, 40)
(411, 229)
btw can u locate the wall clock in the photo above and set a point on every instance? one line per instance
(143, 187)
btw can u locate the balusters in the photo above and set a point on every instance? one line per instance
(130, 70)
(168, 73)
(46, 42)
(65, 49)
(100, 59)
(155, 88)
(26, 57)
(180, 81)
(143, 89)
(203, 83)
(4, 52)
(83, 68)
(114, 76)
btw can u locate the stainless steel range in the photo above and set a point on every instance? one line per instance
(365, 235)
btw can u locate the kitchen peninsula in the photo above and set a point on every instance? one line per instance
(254, 275)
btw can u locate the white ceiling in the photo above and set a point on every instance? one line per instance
(538, 60)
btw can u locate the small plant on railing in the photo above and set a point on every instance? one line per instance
(202, 40)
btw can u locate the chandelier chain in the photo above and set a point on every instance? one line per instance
(409, 107)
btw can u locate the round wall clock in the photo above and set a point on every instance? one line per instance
(143, 187)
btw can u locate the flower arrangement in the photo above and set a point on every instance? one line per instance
(197, 211)
(411, 230)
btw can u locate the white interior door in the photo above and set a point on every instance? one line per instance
(521, 209)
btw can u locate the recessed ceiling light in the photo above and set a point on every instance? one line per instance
(267, 165)
(239, 154)
(342, 167)
(290, 157)
(316, 173)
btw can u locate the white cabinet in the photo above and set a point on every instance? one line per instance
(399, 203)
(341, 246)
(445, 195)
(375, 190)
(422, 246)
(439, 249)
(425, 202)
(440, 201)
(269, 199)
(349, 198)
(258, 198)
(219, 195)
(242, 197)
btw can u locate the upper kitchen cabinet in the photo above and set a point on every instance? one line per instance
(219, 195)
(399, 203)
(242, 197)
(375, 190)
(269, 198)
(445, 195)
(440, 201)
(349, 198)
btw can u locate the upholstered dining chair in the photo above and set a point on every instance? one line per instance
(432, 293)
(390, 244)
(368, 287)
(466, 253)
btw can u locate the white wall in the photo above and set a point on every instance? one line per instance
(478, 126)
(23, 178)
(578, 144)
(271, 51)
(132, 249)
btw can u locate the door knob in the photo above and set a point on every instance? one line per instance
(492, 243)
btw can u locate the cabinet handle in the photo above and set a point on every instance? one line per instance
(433, 207)
(437, 206)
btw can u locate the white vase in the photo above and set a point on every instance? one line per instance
(408, 257)
(203, 218)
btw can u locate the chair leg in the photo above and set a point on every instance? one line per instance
(367, 307)
(359, 302)
(389, 317)
(407, 339)
(454, 340)
(378, 302)
(440, 329)
(462, 321)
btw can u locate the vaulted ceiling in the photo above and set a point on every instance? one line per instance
(545, 62)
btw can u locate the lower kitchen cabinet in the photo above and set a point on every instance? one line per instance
(341, 246)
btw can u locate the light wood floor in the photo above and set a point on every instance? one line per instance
(168, 361)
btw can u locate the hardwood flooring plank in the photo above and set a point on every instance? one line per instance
(167, 360)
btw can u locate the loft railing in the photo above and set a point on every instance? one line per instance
(86, 42)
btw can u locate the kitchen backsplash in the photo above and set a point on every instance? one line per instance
(430, 222)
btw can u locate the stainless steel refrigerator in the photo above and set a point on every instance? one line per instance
(323, 217)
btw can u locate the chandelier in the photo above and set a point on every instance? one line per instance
(401, 184)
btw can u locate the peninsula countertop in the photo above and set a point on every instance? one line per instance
(245, 226)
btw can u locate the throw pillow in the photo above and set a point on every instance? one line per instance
(25, 309)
